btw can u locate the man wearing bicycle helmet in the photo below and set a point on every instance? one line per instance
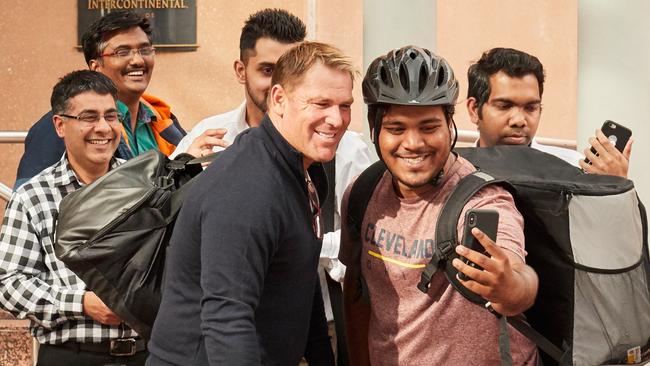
(411, 95)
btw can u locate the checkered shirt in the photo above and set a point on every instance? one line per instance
(34, 284)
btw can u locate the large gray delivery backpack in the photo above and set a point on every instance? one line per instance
(586, 237)
(114, 232)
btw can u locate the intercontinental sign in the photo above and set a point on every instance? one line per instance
(174, 21)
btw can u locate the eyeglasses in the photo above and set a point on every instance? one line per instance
(128, 53)
(112, 118)
(314, 204)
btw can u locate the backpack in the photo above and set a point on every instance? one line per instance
(113, 233)
(586, 237)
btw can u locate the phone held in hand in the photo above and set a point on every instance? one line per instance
(488, 222)
(616, 133)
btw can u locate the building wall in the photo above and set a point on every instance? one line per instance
(614, 76)
(38, 40)
(547, 29)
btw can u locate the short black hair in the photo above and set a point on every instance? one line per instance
(513, 63)
(277, 24)
(93, 40)
(78, 82)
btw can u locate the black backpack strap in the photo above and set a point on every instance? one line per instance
(447, 236)
(542, 342)
(333, 287)
(444, 252)
(360, 195)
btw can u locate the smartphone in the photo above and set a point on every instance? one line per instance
(488, 222)
(616, 133)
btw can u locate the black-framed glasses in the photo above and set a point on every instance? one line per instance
(127, 53)
(112, 118)
(314, 204)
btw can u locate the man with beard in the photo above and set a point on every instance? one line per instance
(504, 101)
(241, 285)
(119, 45)
(411, 94)
(72, 325)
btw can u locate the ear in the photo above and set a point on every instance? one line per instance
(240, 71)
(59, 126)
(277, 99)
(94, 65)
(472, 109)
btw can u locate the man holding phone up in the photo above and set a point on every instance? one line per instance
(411, 94)
(504, 101)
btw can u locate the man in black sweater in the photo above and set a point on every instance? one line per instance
(241, 286)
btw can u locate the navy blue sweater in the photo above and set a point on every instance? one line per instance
(241, 281)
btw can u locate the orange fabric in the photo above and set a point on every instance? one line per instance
(163, 120)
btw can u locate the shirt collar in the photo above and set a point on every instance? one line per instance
(63, 174)
(145, 115)
(294, 158)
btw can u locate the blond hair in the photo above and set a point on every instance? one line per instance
(294, 64)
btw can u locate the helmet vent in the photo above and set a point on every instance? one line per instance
(404, 78)
(383, 75)
(412, 55)
(441, 76)
(422, 83)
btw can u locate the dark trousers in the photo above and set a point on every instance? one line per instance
(49, 355)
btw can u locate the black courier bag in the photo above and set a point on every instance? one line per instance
(113, 233)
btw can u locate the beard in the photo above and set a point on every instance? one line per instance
(260, 103)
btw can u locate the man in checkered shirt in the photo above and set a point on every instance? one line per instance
(72, 324)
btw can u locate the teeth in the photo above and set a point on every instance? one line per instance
(136, 73)
(414, 161)
(328, 135)
(98, 142)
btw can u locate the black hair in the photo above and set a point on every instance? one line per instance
(93, 40)
(277, 24)
(513, 63)
(78, 82)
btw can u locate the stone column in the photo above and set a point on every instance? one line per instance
(16, 343)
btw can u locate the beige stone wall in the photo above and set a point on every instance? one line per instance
(547, 29)
(38, 40)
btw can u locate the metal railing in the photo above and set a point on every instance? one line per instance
(464, 136)
(10, 137)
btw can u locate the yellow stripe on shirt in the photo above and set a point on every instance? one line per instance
(395, 261)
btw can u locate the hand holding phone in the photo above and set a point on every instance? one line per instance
(616, 133)
(488, 222)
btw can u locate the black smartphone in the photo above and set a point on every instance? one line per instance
(616, 133)
(488, 222)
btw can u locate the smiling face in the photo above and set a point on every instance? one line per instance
(255, 74)
(313, 114)
(414, 142)
(90, 147)
(512, 112)
(131, 76)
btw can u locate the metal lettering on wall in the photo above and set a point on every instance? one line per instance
(174, 21)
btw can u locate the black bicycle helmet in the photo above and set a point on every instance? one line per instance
(407, 76)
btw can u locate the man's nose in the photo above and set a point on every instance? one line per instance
(517, 118)
(334, 116)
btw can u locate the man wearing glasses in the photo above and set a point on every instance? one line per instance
(72, 325)
(241, 285)
(119, 46)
